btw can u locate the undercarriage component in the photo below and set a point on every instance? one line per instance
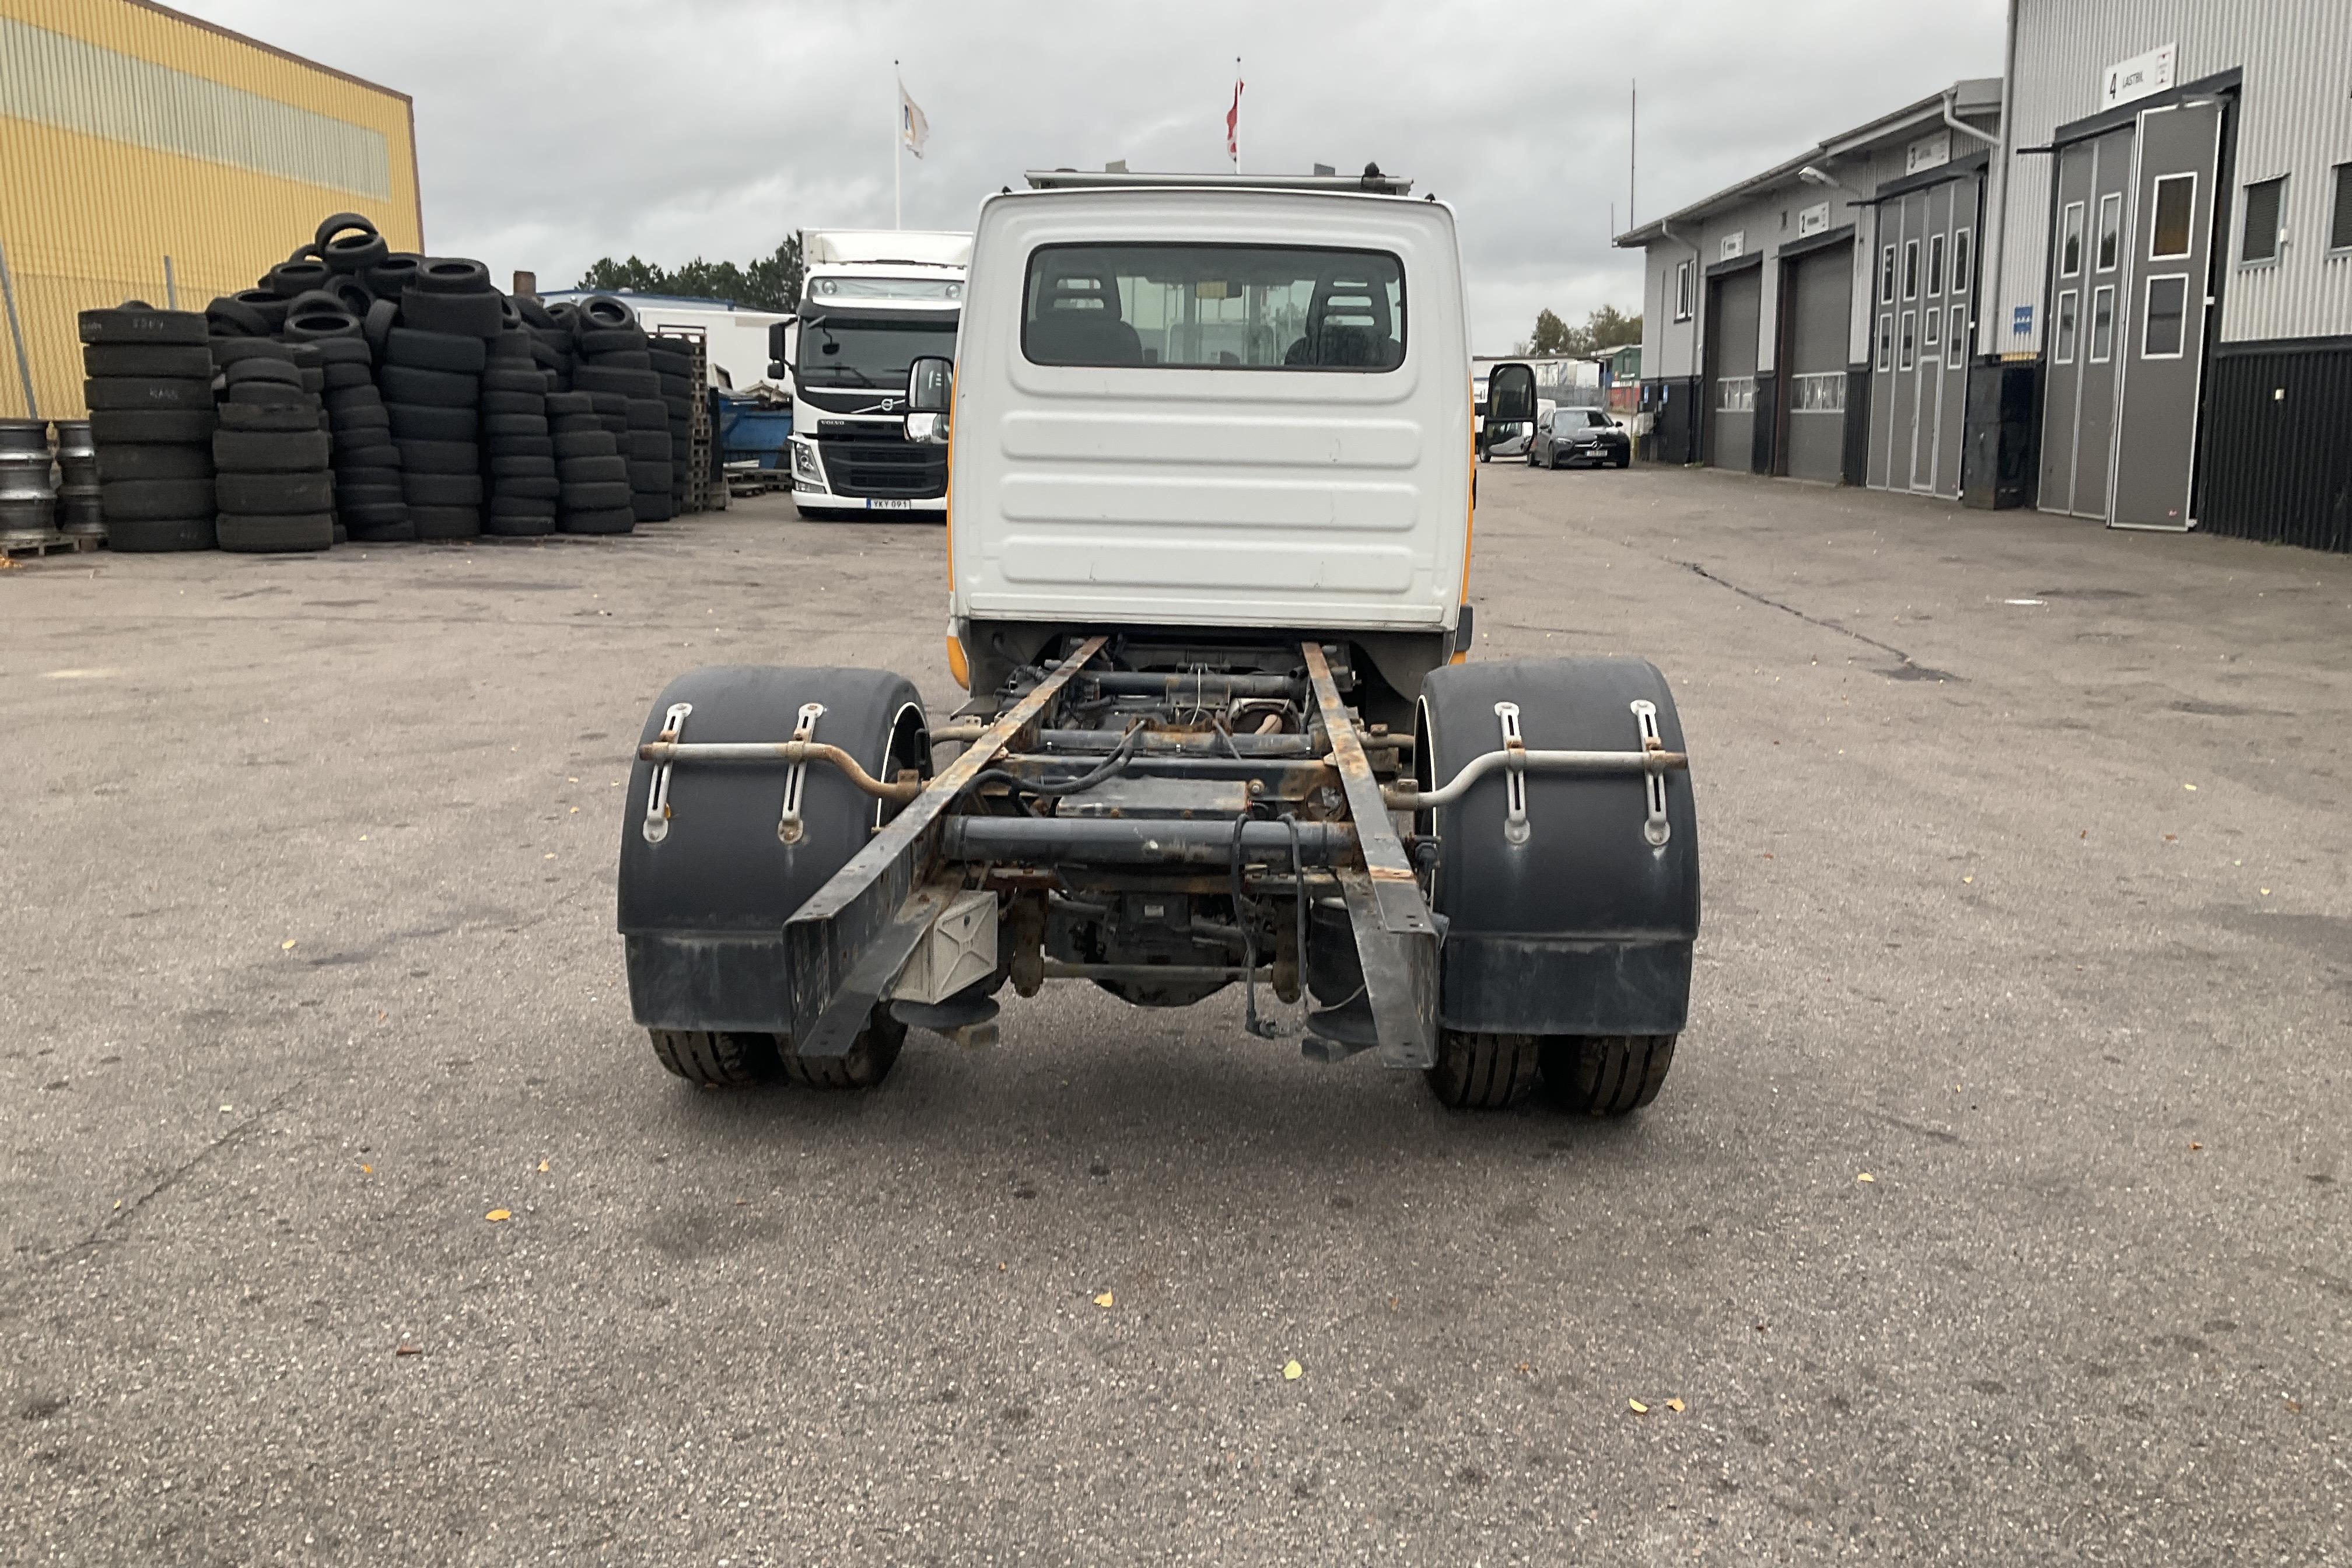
(1164, 833)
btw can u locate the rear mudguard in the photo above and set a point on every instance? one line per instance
(1586, 927)
(706, 889)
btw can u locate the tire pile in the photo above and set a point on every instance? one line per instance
(150, 391)
(378, 395)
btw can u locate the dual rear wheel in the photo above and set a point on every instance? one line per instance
(1594, 1075)
(726, 1059)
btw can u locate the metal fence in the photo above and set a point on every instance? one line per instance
(43, 375)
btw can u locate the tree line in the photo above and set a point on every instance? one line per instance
(1606, 328)
(766, 283)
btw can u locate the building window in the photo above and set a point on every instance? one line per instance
(1932, 327)
(1736, 395)
(1910, 269)
(2339, 227)
(2164, 333)
(1682, 292)
(1817, 391)
(1960, 262)
(1956, 340)
(2065, 347)
(1887, 341)
(2111, 230)
(2176, 199)
(1935, 264)
(1886, 276)
(2266, 206)
(2102, 323)
(2070, 240)
(1910, 350)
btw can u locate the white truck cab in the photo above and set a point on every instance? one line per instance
(1223, 406)
(1210, 476)
(872, 302)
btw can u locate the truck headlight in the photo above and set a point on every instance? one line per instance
(804, 461)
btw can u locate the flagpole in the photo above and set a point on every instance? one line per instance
(897, 135)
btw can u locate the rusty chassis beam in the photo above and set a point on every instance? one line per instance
(839, 941)
(1396, 938)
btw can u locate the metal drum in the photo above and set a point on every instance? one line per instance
(78, 511)
(28, 500)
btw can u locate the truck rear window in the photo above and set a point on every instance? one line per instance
(1214, 307)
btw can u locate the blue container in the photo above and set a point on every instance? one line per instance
(749, 429)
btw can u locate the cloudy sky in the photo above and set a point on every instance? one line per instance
(550, 135)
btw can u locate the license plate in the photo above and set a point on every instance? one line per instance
(881, 504)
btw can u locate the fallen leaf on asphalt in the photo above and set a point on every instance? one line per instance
(2189, 787)
(1103, 1299)
(2295, 1406)
(2194, 1147)
(1292, 1371)
(575, 811)
(1968, 879)
(571, 780)
(1675, 1405)
(367, 1170)
(550, 856)
(2267, 892)
(286, 946)
(407, 1349)
(543, 1167)
(1865, 1177)
(1637, 1407)
(228, 1110)
(2172, 839)
(497, 1215)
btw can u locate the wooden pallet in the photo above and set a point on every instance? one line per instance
(697, 496)
(59, 543)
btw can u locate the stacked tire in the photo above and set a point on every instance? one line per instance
(524, 487)
(593, 477)
(275, 485)
(371, 501)
(673, 361)
(152, 420)
(617, 363)
(551, 337)
(433, 360)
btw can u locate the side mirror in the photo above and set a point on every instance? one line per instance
(931, 386)
(1510, 394)
(779, 346)
(931, 390)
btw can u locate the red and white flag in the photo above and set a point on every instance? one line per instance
(1234, 121)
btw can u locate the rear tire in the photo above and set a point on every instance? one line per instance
(1605, 1075)
(1484, 1072)
(716, 1059)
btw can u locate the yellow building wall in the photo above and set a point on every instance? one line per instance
(129, 133)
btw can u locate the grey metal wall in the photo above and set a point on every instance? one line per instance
(2294, 118)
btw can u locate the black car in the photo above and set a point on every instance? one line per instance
(1579, 435)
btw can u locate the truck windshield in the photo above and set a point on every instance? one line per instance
(839, 351)
(1231, 306)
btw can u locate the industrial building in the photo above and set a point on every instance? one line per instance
(146, 154)
(1810, 321)
(2171, 320)
(2120, 291)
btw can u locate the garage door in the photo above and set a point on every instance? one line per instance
(1820, 294)
(1925, 278)
(1732, 312)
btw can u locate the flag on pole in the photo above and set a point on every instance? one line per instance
(913, 129)
(1233, 119)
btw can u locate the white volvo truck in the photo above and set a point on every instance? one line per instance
(872, 302)
(1207, 573)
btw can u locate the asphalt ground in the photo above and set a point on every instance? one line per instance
(1995, 1210)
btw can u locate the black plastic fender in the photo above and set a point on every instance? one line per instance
(1586, 928)
(705, 895)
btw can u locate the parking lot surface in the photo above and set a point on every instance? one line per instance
(1995, 1210)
